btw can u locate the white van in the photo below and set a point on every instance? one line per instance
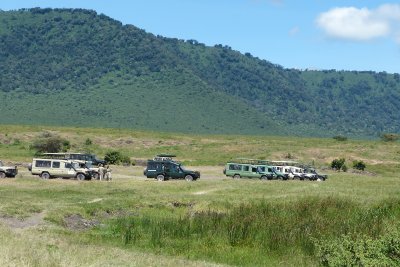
(289, 168)
(47, 168)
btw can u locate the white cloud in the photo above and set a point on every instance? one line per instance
(361, 24)
(389, 11)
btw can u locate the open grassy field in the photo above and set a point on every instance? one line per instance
(135, 221)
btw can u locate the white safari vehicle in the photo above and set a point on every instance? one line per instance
(291, 169)
(47, 168)
(7, 171)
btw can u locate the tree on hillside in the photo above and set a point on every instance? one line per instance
(49, 143)
(338, 164)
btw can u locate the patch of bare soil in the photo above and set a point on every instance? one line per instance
(204, 192)
(77, 223)
(16, 223)
(178, 204)
(367, 173)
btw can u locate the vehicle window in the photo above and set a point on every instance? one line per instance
(56, 164)
(246, 168)
(261, 169)
(68, 165)
(254, 169)
(269, 170)
(235, 167)
(151, 166)
(174, 168)
(43, 163)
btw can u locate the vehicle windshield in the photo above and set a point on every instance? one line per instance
(182, 167)
(89, 164)
(78, 165)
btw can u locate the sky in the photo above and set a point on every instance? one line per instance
(360, 35)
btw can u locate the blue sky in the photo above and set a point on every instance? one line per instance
(310, 34)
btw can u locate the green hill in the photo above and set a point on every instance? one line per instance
(75, 67)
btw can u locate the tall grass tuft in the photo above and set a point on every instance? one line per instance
(261, 228)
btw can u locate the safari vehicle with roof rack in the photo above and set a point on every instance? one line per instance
(88, 158)
(7, 171)
(162, 167)
(312, 175)
(48, 168)
(297, 171)
(291, 169)
(249, 168)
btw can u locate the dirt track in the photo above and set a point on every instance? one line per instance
(136, 172)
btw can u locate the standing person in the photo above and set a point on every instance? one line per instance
(101, 171)
(108, 173)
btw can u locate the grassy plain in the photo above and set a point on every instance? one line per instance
(134, 221)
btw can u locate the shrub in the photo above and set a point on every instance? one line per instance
(390, 137)
(88, 142)
(115, 157)
(289, 156)
(112, 157)
(125, 160)
(359, 165)
(338, 164)
(48, 143)
(340, 138)
(363, 251)
(344, 168)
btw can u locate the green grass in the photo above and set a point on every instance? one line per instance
(216, 220)
(204, 149)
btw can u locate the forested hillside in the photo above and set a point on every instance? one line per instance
(76, 67)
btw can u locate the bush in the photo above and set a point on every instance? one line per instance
(88, 142)
(359, 165)
(364, 251)
(344, 168)
(125, 160)
(115, 157)
(48, 143)
(338, 164)
(390, 137)
(340, 138)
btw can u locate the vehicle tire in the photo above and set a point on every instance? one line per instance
(189, 178)
(160, 177)
(2, 175)
(45, 175)
(80, 176)
(296, 177)
(96, 176)
(264, 177)
(236, 176)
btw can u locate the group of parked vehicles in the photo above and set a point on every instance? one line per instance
(162, 167)
(268, 170)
